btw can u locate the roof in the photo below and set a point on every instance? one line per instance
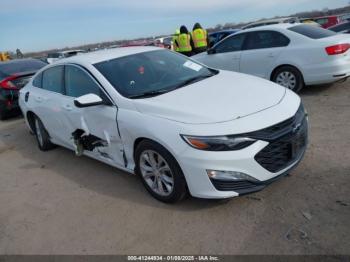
(275, 26)
(275, 20)
(225, 31)
(103, 55)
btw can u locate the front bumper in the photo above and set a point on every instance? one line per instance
(279, 149)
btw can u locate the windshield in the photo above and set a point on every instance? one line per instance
(152, 73)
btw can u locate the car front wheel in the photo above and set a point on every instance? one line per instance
(160, 172)
(289, 77)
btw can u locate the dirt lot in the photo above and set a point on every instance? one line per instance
(56, 203)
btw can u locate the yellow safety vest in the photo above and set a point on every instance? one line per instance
(199, 37)
(175, 41)
(184, 42)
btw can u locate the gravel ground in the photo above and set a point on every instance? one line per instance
(56, 203)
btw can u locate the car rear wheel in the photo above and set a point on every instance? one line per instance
(160, 172)
(289, 77)
(42, 136)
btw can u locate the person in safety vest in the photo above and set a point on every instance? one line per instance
(175, 46)
(184, 42)
(200, 39)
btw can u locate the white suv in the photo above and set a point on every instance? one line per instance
(177, 124)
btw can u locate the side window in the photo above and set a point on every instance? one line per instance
(37, 81)
(79, 83)
(231, 44)
(222, 36)
(53, 79)
(265, 39)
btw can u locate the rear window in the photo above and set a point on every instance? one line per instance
(312, 32)
(53, 55)
(20, 66)
(340, 28)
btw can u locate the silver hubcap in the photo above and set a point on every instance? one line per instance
(286, 79)
(156, 172)
(38, 132)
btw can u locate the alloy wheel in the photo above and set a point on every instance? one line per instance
(156, 173)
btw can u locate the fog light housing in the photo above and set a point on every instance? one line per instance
(230, 176)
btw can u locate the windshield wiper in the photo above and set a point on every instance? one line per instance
(150, 94)
(163, 91)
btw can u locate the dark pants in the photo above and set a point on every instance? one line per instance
(190, 53)
(200, 50)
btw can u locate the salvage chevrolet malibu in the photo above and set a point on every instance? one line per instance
(179, 125)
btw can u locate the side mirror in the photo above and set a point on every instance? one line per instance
(88, 100)
(211, 51)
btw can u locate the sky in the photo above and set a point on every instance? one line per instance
(37, 25)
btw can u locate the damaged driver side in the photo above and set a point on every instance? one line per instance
(82, 142)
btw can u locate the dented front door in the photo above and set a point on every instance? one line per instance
(92, 130)
(95, 128)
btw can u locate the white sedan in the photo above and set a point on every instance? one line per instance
(180, 126)
(292, 55)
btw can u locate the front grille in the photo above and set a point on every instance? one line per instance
(285, 146)
(287, 143)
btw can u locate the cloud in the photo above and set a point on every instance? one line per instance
(167, 6)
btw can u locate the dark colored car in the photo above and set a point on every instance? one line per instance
(14, 75)
(215, 37)
(341, 28)
(328, 21)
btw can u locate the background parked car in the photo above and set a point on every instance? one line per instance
(215, 37)
(309, 21)
(13, 76)
(281, 20)
(341, 28)
(328, 21)
(53, 57)
(289, 54)
(164, 42)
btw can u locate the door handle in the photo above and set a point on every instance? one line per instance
(67, 107)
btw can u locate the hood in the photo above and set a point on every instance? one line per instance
(223, 97)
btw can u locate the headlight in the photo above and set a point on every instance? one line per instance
(218, 143)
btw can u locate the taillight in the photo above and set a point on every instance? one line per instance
(7, 84)
(337, 49)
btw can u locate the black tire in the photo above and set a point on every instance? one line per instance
(42, 136)
(290, 73)
(3, 115)
(179, 189)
